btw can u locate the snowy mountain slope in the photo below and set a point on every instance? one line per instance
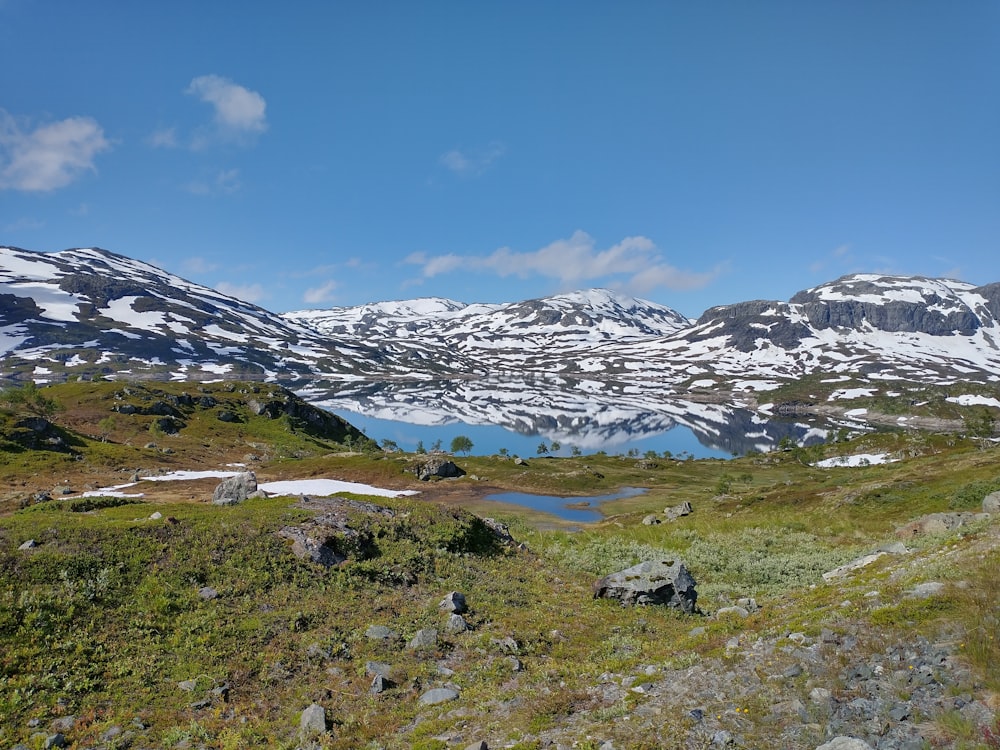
(93, 311)
(89, 311)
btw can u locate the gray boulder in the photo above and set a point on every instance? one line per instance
(454, 602)
(991, 503)
(235, 489)
(677, 511)
(438, 695)
(665, 582)
(436, 466)
(313, 720)
(424, 639)
(845, 743)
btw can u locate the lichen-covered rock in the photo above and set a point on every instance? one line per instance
(235, 489)
(665, 582)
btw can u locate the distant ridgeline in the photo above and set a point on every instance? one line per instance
(89, 312)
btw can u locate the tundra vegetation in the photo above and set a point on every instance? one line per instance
(164, 621)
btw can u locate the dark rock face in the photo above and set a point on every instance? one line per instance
(665, 582)
(437, 467)
(860, 300)
(746, 323)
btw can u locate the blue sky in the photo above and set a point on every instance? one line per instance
(317, 154)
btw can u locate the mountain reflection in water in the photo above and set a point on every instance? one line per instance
(587, 418)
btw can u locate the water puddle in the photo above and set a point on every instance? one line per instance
(575, 509)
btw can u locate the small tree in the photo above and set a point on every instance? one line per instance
(575, 451)
(436, 446)
(390, 446)
(420, 447)
(542, 449)
(556, 445)
(461, 444)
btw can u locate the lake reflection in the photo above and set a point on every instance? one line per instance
(564, 507)
(525, 418)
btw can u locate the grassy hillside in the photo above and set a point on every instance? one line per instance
(165, 621)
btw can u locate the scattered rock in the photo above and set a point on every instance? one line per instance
(312, 721)
(424, 639)
(677, 511)
(454, 602)
(845, 743)
(380, 633)
(62, 724)
(991, 503)
(208, 593)
(731, 611)
(938, 523)
(55, 740)
(665, 582)
(456, 624)
(235, 489)
(926, 590)
(30, 544)
(156, 516)
(438, 695)
(853, 565)
(500, 530)
(651, 520)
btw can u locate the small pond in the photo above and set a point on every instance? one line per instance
(576, 509)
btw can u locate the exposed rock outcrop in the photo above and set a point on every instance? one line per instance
(665, 582)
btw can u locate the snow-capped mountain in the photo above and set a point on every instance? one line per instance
(89, 311)
(587, 362)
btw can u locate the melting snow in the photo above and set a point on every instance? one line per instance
(852, 393)
(861, 459)
(970, 400)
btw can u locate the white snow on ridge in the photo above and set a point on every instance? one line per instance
(851, 393)
(861, 459)
(971, 400)
(53, 301)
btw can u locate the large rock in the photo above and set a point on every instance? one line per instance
(845, 743)
(235, 489)
(435, 466)
(665, 582)
(991, 503)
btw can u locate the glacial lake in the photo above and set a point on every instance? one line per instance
(490, 439)
(576, 509)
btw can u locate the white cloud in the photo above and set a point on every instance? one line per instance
(635, 263)
(163, 138)
(472, 163)
(320, 294)
(225, 182)
(248, 293)
(50, 156)
(238, 110)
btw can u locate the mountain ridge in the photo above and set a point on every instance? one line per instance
(93, 312)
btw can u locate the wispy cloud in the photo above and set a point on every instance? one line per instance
(248, 293)
(198, 264)
(163, 138)
(24, 224)
(634, 264)
(472, 163)
(238, 111)
(224, 182)
(49, 156)
(321, 294)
